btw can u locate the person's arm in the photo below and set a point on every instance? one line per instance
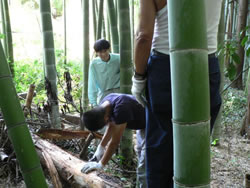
(92, 88)
(107, 135)
(117, 131)
(144, 35)
(101, 147)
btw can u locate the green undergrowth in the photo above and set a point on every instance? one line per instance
(31, 72)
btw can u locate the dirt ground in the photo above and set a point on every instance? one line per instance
(230, 161)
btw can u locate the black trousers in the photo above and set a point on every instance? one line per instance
(159, 133)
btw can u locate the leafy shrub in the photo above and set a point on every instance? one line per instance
(31, 72)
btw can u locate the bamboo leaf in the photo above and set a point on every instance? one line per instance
(244, 40)
(248, 50)
(243, 30)
(231, 70)
(236, 58)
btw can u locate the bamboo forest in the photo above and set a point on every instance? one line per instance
(50, 51)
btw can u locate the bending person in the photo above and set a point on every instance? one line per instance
(117, 112)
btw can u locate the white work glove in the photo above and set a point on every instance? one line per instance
(98, 153)
(90, 166)
(137, 90)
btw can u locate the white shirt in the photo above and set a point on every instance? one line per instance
(213, 9)
(160, 40)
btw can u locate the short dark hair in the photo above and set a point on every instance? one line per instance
(93, 119)
(101, 44)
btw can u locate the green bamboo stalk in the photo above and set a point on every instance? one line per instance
(100, 17)
(96, 9)
(104, 35)
(126, 69)
(235, 15)
(18, 131)
(248, 58)
(125, 47)
(190, 93)
(229, 21)
(94, 17)
(8, 36)
(108, 29)
(132, 7)
(241, 25)
(85, 12)
(221, 36)
(4, 29)
(65, 31)
(113, 25)
(116, 11)
(226, 13)
(49, 63)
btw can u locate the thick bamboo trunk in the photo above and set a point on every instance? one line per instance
(242, 18)
(18, 131)
(126, 69)
(246, 122)
(49, 63)
(190, 93)
(69, 167)
(245, 125)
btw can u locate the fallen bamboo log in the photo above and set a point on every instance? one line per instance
(65, 134)
(52, 170)
(73, 118)
(69, 167)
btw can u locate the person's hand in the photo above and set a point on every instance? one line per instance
(98, 153)
(90, 166)
(138, 89)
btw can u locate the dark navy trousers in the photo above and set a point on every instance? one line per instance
(159, 133)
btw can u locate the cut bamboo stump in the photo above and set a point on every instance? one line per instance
(30, 95)
(69, 167)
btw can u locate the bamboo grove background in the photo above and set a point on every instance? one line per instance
(114, 20)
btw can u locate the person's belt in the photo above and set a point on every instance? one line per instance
(212, 55)
(156, 53)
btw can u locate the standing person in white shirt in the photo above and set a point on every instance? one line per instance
(152, 72)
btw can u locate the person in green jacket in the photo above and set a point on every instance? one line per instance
(104, 73)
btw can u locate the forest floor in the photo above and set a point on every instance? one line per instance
(230, 160)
